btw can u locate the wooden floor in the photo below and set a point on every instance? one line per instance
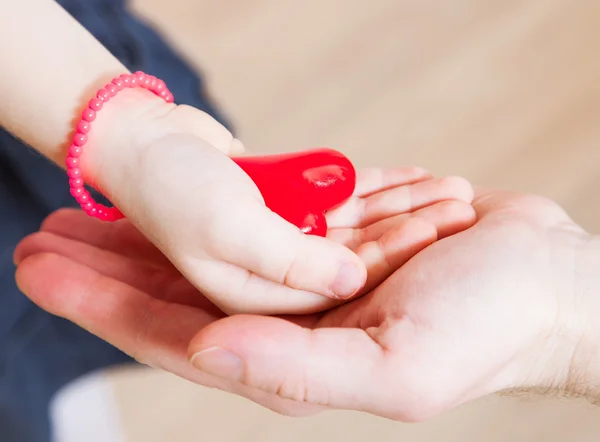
(503, 92)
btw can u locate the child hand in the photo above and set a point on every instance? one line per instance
(175, 183)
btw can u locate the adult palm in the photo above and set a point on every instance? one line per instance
(110, 280)
(488, 309)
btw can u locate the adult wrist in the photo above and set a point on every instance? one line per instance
(567, 358)
(584, 370)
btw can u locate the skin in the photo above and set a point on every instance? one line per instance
(167, 169)
(112, 281)
(506, 304)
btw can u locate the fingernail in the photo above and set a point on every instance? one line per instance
(219, 362)
(348, 281)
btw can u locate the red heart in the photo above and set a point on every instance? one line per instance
(301, 186)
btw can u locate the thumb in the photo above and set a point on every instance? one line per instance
(268, 246)
(332, 367)
(218, 232)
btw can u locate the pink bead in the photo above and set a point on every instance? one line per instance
(84, 198)
(88, 115)
(126, 80)
(103, 95)
(76, 182)
(140, 77)
(79, 139)
(83, 126)
(112, 89)
(77, 192)
(95, 104)
(72, 162)
(118, 82)
(74, 172)
(75, 151)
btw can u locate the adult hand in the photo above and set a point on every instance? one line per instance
(108, 278)
(507, 304)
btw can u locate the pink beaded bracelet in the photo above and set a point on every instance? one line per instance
(104, 94)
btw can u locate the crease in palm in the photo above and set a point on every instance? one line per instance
(109, 279)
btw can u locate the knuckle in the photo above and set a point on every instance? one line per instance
(297, 389)
(417, 172)
(284, 269)
(449, 209)
(288, 269)
(459, 186)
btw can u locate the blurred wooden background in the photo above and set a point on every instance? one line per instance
(503, 92)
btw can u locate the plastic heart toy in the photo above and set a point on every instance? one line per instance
(301, 186)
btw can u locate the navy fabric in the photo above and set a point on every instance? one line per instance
(40, 353)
